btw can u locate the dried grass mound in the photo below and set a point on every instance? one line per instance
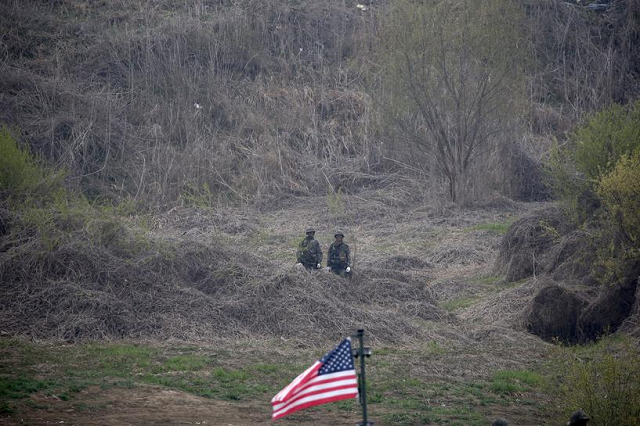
(406, 294)
(505, 308)
(405, 262)
(458, 255)
(193, 291)
(607, 313)
(299, 304)
(569, 258)
(497, 201)
(553, 313)
(190, 220)
(544, 244)
(525, 247)
(81, 291)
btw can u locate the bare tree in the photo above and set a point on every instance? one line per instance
(452, 80)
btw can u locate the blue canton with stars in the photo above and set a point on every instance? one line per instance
(339, 359)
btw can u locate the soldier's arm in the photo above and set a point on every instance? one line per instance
(348, 256)
(299, 251)
(315, 249)
(329, 255)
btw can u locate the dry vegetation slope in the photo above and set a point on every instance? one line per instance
(240, 102)
(253, 100)
(166, 103)
(415, 267)
(152, 99)
(210, 274)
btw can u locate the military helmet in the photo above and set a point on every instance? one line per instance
(577, 416)
(338, 233)
(500, 422)
(310, 231)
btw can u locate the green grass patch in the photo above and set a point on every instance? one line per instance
(455, 304)
(458, 416)
(70, 369)
(20, 387)
(505, 387)
(526, 377)
(186, 363)
(398, 396)
(514, 381)
(347, 405)
(121, 358)
(440, 402)
(6, 408)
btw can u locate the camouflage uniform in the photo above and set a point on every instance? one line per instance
(309, 252)
(339, 258)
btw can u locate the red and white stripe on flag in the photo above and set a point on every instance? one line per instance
(316, 386)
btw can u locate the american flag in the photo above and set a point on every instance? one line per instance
(333, 378)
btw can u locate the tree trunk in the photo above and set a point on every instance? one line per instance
(452, 186)
(457, 177)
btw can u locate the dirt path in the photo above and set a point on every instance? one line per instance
(149, 405)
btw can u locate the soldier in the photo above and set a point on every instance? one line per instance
(578, 418)
(309, 252)
(339, 256)
(500, 422)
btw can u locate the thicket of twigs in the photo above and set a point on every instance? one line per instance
(161, 100)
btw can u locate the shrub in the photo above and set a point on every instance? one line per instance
(598, 176)
(602, 379)
(49, 216)
(607, 137)
(335, 202)
(593, 151)
(619, 254)
(18, 171)
(620, 194)
(21, 175)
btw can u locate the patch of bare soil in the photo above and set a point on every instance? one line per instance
(149, 405)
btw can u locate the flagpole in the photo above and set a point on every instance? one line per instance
(362, 352)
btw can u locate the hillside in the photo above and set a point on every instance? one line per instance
(161, 159)
(156, 101)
